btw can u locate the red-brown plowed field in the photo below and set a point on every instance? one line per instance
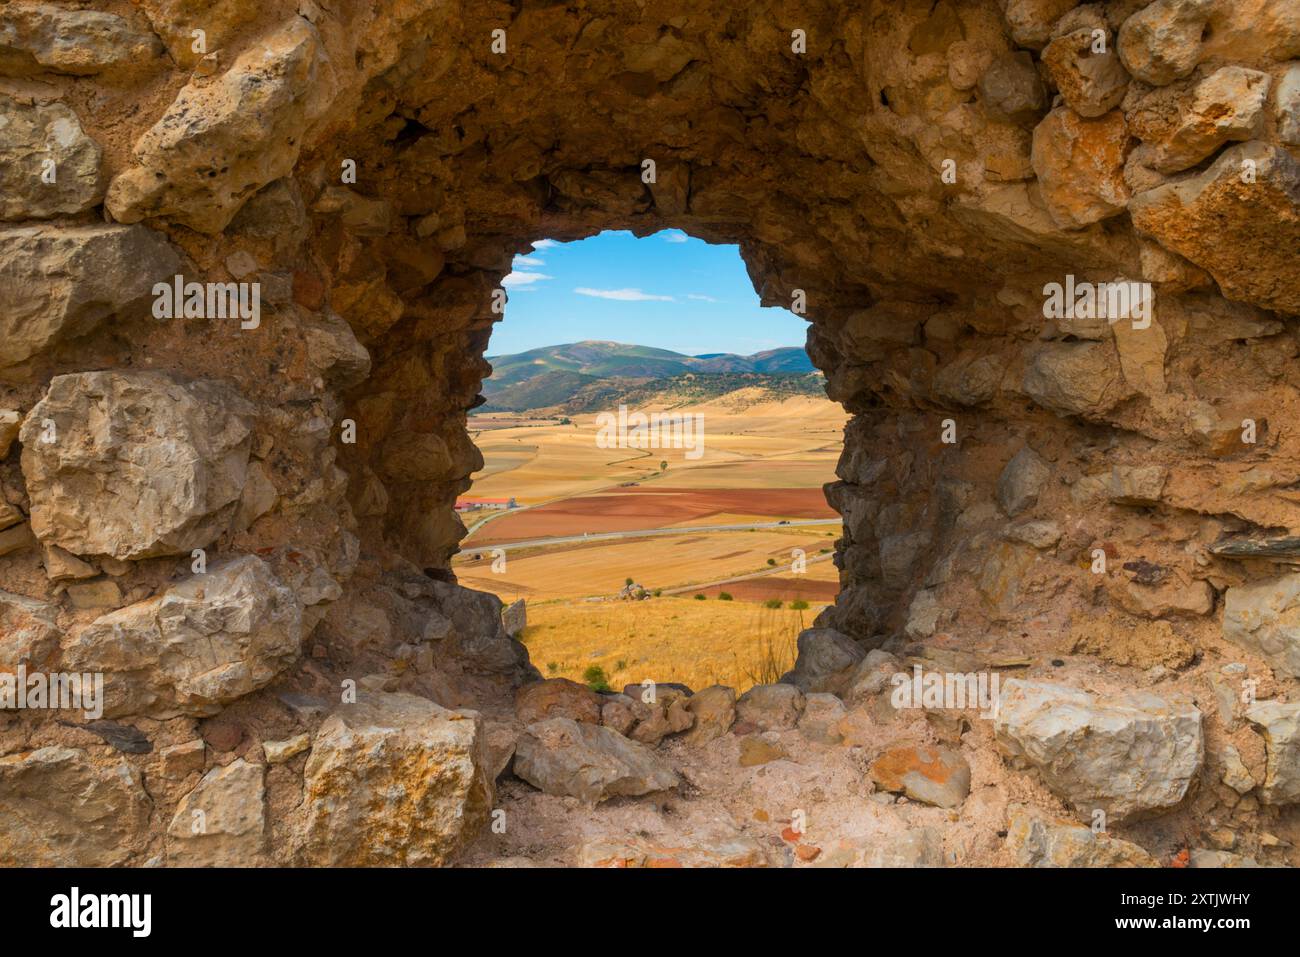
(652, 508)
(772, 586)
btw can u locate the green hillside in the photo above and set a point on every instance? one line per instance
(555, 375)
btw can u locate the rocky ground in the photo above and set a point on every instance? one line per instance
(244, 521)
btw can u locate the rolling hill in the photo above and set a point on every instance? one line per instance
(578, 374)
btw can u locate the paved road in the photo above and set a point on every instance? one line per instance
(644, 533)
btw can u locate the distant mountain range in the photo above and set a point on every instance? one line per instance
(576, 374)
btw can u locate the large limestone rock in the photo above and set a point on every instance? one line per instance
(1031, 21)
(1239, 220)
(1162, 42)
(1038, 841)
(1129, 755)
(771, 707)
(1021, 481)
(1135, 484)
(970, 380)
(58, 808)
(589, 762)
(29, 632)
(557, 698)
(476, 640)
(932, 775)
(203, 643)
(393, 781)
(38, 38)
(1280, 724)
(219, 143)
(1080, 166)
(1076, 378)
(825, 661)
(714, 709)
(175, 20)
(1168, 599)
(60, 282)
(33, 135)
(1264, 617)
(141, 463)
(667, 715)
(1228, 105)
(334, 351)
(1090, 79)
(222, 822)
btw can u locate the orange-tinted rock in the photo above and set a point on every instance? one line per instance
(931, 775)
(1080, 166)
(807, 852)
(557, 698)
(1239, 220)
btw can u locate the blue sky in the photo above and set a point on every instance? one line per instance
(667, 290)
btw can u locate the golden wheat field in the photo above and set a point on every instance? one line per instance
(748, 444)
(764, 461)
(580, 571)
(698, 643)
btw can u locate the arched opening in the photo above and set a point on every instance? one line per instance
(651, 501)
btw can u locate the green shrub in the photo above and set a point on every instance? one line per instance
(772, 603)
(771, 561)
(596, 678)
(699, 597)
(799, 605)
(552, 667)
(724, 596)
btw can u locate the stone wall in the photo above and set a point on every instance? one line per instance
(230, 518)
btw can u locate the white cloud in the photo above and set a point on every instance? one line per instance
(622, 295)
(527, 261)
(545, 244)
(524, 278)
(675, 236)
(697, 296)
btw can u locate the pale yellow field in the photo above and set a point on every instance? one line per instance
(662, 562)
(698, 643)
(748, 445)
(793, 443)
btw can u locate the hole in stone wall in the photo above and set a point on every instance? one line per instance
(655, 445)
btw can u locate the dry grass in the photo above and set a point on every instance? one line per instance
(699, 643)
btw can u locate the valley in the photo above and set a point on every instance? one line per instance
(731, 548)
